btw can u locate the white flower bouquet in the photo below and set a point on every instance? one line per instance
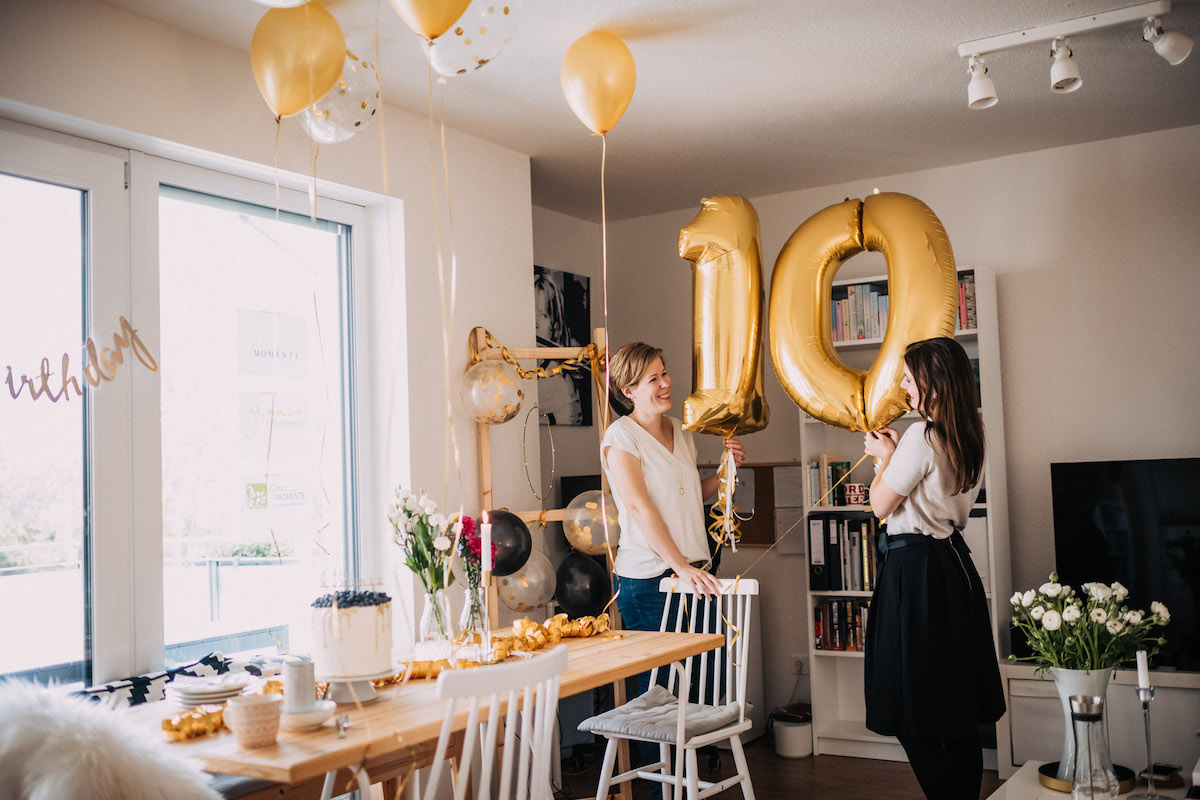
(1092, 629)
(425, 537)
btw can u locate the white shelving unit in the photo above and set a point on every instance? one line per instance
(837, 676)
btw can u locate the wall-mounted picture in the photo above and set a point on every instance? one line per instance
(564, 319)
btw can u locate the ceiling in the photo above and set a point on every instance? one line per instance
(754, 97)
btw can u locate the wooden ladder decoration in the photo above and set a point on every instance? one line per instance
(603, 418)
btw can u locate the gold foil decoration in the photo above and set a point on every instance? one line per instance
(194, 722)
(922, 303)
(722, 243)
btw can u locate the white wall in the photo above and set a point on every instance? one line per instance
(1095, 249)
(92, 69)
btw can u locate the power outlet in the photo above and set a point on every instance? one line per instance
(798, 667)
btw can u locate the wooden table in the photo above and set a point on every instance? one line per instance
(398, 732)
(1024, 785)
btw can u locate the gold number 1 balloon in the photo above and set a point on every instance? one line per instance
(922, 303)
(722, 242)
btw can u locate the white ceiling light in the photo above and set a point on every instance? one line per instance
(981, 92)
(1064, 72)
(1172, 45)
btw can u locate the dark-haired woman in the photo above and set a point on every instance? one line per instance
(931, 673)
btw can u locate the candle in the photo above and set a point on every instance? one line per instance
(485, 545)
(1143, 670)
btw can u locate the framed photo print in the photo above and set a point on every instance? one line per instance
(564, 319)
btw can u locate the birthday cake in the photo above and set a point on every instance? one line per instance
(352, 634)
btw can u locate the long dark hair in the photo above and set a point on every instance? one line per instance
(946, 383)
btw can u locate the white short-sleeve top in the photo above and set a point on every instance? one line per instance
(921, 471)
(673, 484)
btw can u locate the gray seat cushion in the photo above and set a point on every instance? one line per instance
(654, 717)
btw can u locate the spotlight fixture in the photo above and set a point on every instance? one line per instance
(1172, 45)
(981, 92)
(1064, 72)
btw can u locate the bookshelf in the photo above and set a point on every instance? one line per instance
(837, 675)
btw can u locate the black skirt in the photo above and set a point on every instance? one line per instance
(931, 667)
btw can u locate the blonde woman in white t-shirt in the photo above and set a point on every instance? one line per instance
(650, 461)
(931, 676)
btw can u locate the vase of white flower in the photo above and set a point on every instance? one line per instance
(1080, 637)
(424, 536)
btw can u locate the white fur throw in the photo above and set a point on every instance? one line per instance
(55, 747)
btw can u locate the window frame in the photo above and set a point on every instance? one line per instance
(124, 632)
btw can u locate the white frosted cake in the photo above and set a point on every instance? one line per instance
(352, 634)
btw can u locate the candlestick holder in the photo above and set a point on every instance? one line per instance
(1146, 696)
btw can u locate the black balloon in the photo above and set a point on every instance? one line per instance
(513, 543)
(584, 587)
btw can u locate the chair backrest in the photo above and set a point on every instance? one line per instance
(718, 676)
(529, 686)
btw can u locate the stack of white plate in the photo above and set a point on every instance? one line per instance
(191, 692)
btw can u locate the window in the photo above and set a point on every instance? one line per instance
(255, 470)
(194, 506)
(42, 458)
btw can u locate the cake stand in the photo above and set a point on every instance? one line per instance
(355, 689)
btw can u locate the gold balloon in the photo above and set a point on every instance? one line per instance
(922, 303)
(598, 78)
(722, 243)
(297, 56)
(430, 18)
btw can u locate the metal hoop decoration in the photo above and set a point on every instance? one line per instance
(525, 461)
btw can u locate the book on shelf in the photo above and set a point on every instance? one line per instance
(840, 624)
(841, 552)
(858, 311)
(966, 302)
(818, 578)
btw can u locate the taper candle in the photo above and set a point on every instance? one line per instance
(1143, 669)
(485, 545)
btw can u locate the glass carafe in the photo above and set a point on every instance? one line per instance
(1094, 777)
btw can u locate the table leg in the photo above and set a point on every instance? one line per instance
(625, 790)
(330, 780)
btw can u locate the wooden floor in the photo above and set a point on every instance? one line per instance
(812, 778)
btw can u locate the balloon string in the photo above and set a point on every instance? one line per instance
(604, 409)
(446, 314)
(449, 331)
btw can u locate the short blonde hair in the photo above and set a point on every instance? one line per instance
(626, 368)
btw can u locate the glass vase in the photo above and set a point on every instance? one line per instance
(1068, 682)
(473, 628)
(435, 638)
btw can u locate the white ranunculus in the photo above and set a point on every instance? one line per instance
(1161, 610)
(1037, 611)
(411, 504)
(1115, 626)
(1119, 591)
(1098, 616)
(1015, 599)
(1133, 617)
(1050, 589)
(437, 521)
(1071, 614)
(1099, 592)
(442, 543)
(1051, 620)
(1028, 598)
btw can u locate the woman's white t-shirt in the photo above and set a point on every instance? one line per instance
(673, 485)
(921, 472)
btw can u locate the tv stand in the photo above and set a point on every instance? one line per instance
(1032, 728)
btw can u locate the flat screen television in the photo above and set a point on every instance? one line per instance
(1137, 522)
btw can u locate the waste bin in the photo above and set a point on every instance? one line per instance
(791, 727)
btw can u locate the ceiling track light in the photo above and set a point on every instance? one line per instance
(1171, 45)
(1064, 71)
(981, 91)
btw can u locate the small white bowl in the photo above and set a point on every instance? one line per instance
(309, 720)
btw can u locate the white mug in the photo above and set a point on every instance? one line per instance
(299, 685)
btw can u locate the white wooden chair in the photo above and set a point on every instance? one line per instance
(529, 687)
(659, 715)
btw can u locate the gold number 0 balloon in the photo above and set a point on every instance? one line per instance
(727, 370)
(922, 303)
